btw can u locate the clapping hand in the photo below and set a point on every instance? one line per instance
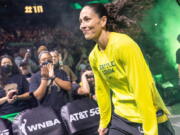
(12, 96)
(50, 67)
(44, 72)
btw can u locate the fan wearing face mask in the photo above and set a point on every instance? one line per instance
(12, 82)
(54, 82)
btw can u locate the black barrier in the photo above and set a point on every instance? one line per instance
(5, 127)
(38, 121)
(81, 117)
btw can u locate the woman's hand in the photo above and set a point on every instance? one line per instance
(44, 72)
(12, 96)
(102, 131)
(50, 67)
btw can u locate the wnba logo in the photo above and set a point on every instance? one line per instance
(26, 129)
(22, 127)
(178, 1)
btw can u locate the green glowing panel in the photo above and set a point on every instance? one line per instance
(158, 78)
(9, 116)
(76, 6)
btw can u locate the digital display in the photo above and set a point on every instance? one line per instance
(37, 9)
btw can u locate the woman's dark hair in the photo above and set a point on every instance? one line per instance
(15, 70)
(116, 13)
(100, 10)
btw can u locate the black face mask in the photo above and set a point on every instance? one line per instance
(6, 69)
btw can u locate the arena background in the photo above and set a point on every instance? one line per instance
(154, 24)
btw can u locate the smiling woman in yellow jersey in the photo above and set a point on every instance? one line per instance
(119, 65)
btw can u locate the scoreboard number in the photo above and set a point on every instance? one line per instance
(38, 9)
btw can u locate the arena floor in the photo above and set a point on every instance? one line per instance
(175, 117)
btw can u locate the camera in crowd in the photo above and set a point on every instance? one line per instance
(89, 76)
(45, 63)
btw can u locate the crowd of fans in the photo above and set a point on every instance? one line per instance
(65, 41)
(44, 71)
(38, 75)
(27, 84)
(33, 34)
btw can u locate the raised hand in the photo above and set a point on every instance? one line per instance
(44, 72)
(50, 67)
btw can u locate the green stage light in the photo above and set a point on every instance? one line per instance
(79, 6)
(76, 6)
(98, 1)
(161, 24)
